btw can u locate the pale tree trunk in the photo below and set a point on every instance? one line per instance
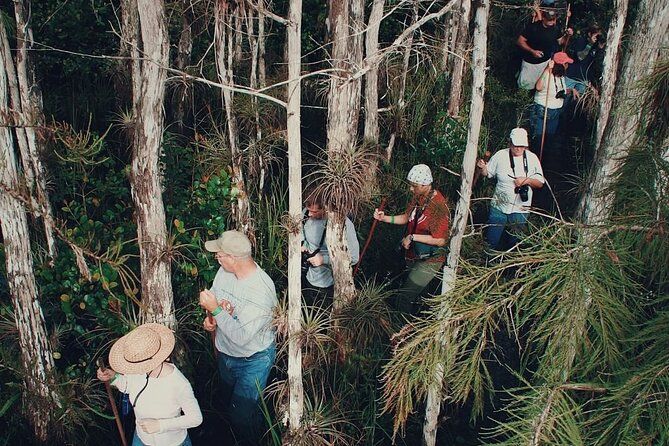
(36, 357)
(182, 61)
(610, 68)
(31, 109)
(342, 126)
(145, 180)
(406, 58)
(129, 47)
(262, 69)
(458, 72)
(15, 109)
(372, 78)
(293, 112)
(651, 26)
(224, 50)
(459, 223)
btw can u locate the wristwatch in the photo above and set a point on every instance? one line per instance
(411, 237)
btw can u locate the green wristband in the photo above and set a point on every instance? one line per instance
(392, 219)
(114, 378)
(216, 311)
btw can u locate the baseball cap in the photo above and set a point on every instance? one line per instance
(233, 243)
(519, 137)
(562, 57)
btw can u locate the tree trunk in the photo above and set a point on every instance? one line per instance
(294, 31)
(36, 356)
(458, 72)
(145, 181)
(650, 27)
(406, 58)
(372, 78)
(129, 47)
(31, 109)
(342, 126)
(610, 68)
(182, 61)
(225, 49)
(459, 223)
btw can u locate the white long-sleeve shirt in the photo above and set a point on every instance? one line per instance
(168, 398)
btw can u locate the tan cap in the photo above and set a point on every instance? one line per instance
(233, 243)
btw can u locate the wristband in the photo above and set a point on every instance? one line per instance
(114, 378)
(392, 219)
(216, 311)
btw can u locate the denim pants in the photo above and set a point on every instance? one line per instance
(537, 120)
(137, 442)
(245, 379)
(502, 227)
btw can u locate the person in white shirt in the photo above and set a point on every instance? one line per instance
(161, 396)
(517, 171)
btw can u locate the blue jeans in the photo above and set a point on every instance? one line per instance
(246, 378)
(501, 228)
(137, 442)
(537, 120)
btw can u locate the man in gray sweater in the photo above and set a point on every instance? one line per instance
(242, 300)
(315, 248)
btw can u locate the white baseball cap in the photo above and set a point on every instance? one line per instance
(519, 137)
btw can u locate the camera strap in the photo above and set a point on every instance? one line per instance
(320, 243)
(513, 165)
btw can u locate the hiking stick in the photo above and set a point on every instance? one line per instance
(566, 26)
(543, 127)
(212, 334)
(477, 171)
(112, 403)
(369, 238)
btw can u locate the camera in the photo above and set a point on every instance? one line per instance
(305, 265)
(601, 39)
(560, 94)
(523, 192)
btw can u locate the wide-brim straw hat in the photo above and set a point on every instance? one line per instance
(142, 350)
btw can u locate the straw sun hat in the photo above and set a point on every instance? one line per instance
(141, 350)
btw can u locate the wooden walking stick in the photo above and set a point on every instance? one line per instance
(112, 403)
(369, 238)
(212, 334)
(566, 26)
(477, 171)
(543, 127)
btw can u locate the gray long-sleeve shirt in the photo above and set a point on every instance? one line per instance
(321, 276)
(248, 329)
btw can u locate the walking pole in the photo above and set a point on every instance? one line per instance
(212, 334)
(566, 25)
(112, 403)
(543, 127)
(369, 238)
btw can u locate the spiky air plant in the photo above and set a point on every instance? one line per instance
(342, 179)
(322, 426)
(213, 151)
(82, 148)
(125, 121)
(588, 101)
(368, 320)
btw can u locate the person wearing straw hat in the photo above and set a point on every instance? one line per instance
(517, 171)
(241, 300)
(161, 396)
(426, 220)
